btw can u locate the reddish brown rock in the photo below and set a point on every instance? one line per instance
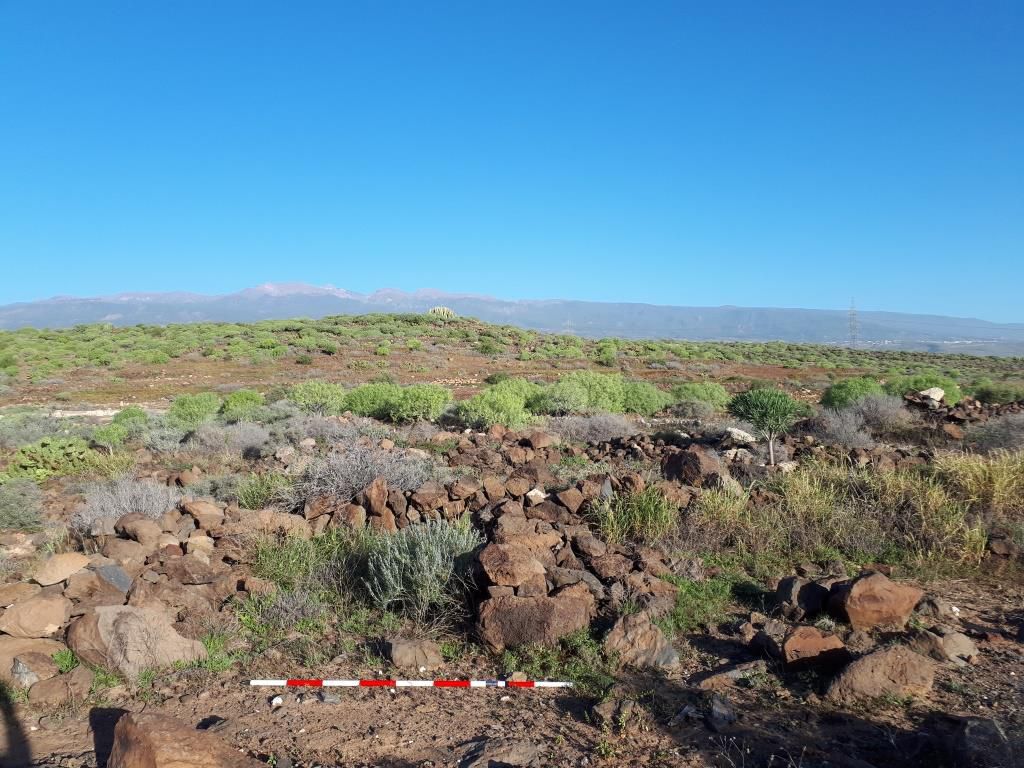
(893, 671)
(507, 622)
(375, 498)
(42, 615)
(58, 568)
(694, 465)
(130, 639)
(873, 601)
(429, 496)
(571, 499)
(806, 647)
(60, 690)
(206, 514)
(494, 488)
(509, 564)
(636, 641)
(158, 741)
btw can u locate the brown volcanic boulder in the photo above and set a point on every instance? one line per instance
(158, 741)
(806, 647)
(694, 465)
(872, 600)
(510, 621)
(893, 671)
(57, 568)
(42, 615)
(130, 639)
(13, 647)
(638, 642)
(509, 565)
(61, 689)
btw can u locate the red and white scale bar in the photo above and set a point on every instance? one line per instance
(294, 683)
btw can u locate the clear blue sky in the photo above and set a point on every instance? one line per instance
(753, 153)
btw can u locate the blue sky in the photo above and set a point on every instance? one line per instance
(750, 153)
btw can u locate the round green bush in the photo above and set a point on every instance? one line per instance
(373, 400)
(560, 398)
(605, 392)
(643, 398)
(902, 385)
(418, 401)
(242, 405)
(189, 411)
(504, 404)
(319, 397)
(849, 391)
(703, 392)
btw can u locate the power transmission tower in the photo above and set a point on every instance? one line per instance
(854, 324)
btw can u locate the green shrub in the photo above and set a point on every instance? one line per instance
(643, 398)
(66, 660)
(189, 411)
(133, 419)
(421, 571)
(559, 399)
(323, 398)
(504, 403)
(578, 657)
(21, 506)
(849, 391)
(260, 491)
(771, 411)
(646, 516)
(110, 436)
(605, 392)
(242, 405)
(702, 392)
(988, 391)
(418, 401)
(698, 604)
(373, 400)
(903, 385)
(50, 457)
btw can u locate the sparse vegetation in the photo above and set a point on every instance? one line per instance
(122, 496)
(21, 504)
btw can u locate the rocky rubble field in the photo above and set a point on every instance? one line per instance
(637, 567)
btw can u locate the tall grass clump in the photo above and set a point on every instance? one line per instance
(646, 516)
(825, 510)
(259, 491)
(993, 484)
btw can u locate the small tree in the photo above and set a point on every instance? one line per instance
(771, 411)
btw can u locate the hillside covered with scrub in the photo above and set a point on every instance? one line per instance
(739, 554)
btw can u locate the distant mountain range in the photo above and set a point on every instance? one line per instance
(892, 330)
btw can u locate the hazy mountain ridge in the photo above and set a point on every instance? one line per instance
(595, 319)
